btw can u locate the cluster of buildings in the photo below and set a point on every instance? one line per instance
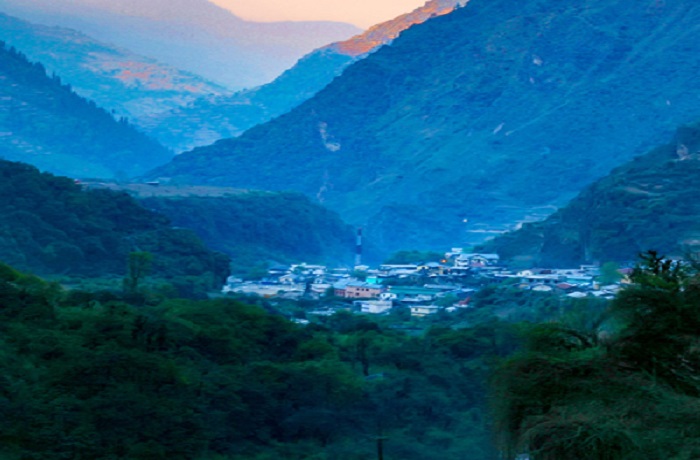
(423, 289)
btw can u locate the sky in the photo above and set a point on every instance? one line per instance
(362, 13)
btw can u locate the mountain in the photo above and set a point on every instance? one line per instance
(251, 227)
(193, 35)
(132, 86)
(50, 225)
(44, 123)
(475, 120)
(647, 204)
(211, 118)
(215, 117)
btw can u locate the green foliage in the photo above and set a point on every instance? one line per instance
(414, 257)
(520, 305)
(255, 228)
(89, 375)
(139, 267)
(646, 203)
(50, 225)
(622, 386)
(609, 273)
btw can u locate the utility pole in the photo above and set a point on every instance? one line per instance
(380, 447)
(358, 248)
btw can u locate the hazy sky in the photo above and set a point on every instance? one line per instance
(362, 13)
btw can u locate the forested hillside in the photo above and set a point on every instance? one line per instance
(493, 113)
(92, 376)
(257, 228)
(648, 203)
(44, 123)
(50, 225)
(211, 118)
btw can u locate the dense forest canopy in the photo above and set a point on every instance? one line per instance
(51, 225)
(258, 227)
(89, 375)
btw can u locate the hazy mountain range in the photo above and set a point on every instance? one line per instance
(115, 78)
(192, 35)
(463, 126)
(43, 122)
(215, 117)
(475, 120)
(180, 109)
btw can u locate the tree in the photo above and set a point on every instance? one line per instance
(618, 388)
(413, 257)
(609, 273)
(140, 264)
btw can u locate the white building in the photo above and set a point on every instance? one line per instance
(374, 307)
(424, 310)
(476, 260)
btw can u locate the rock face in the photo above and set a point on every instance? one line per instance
(648, 203)
(44, 123)
(492, 115)
(130, 85)
(215, 117)
(193, 35)
(383, 33)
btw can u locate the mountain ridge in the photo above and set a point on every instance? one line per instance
(43, 122)
(217, 117)
(116, 79)
(441, 126)
(252, 227)
(51, 225)
(193, 35)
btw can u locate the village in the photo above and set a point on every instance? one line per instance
(423, 289)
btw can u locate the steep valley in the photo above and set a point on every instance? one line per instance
(476, 120)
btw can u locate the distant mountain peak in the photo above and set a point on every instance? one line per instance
(193, 35)
(385, 32)
(47, 124)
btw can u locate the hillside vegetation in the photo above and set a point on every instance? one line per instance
(44, 123)
(211, 118)
(50, 225)
(648, 203)
(494, 113)
(92, 376)
(618, 384)
(257, 228)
